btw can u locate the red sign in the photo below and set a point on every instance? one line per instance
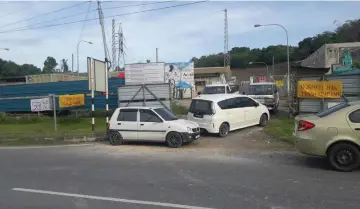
(262, 78)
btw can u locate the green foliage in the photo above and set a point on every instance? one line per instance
(281, 128)
(178, 109)
(356, 64)
(9, 68)
(241, 56)
(49, 65)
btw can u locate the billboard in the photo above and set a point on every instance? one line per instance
(181, 73)
(144, 73)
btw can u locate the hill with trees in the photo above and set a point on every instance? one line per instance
(241, 56)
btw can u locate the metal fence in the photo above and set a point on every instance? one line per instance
(351, 90)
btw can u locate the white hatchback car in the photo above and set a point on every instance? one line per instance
(150, 124)
(221, 113)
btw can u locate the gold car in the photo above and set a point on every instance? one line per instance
(333, 133)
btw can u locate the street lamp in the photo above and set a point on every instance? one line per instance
(267, 68)
(77, 53)
(288, 56)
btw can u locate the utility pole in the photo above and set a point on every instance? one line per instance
(272, 67)
(113, 46)
(101, 18)
(121, 55)
(72, 62)
(157, 55)
(226, 45)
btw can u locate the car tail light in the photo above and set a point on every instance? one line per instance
(305, 125)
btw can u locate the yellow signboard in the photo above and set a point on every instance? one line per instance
(319, 89)
(279, 83)
(75, 100)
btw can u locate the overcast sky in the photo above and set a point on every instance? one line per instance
(180, 33)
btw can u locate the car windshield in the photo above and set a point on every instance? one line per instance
(165, 114)
(200, 106)
(214, 90)
(260, 90)
(332, 110)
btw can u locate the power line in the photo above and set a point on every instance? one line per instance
(130, 13)
(44, 14)
(16, 11)
(77, 14)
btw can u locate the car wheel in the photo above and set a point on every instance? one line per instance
(263, 120)
(224, 130)
(174, 140)
(344, 157)
(115, 138)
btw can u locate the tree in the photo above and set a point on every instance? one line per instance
(148, 61)
(64, 66)
(49, 65)
(241, 56)
(9, 68)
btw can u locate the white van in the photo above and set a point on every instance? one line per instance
(150, 124)
(266, 93)
(222, 113)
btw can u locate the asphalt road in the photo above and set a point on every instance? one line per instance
(101, 176)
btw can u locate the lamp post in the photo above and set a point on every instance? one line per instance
(5, 49)
(77, 53)
(267, 68)
(288, 57)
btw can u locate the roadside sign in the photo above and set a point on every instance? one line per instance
(279, 83)
(75, 100)
(39, 105)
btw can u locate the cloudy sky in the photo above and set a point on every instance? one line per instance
(180, 33)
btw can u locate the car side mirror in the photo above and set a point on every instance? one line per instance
(256, 104)
(199, 93)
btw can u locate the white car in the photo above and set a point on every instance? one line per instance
(222, 113)
(150, 124)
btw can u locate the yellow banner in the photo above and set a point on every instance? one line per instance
(279, 83)
(319, 89)
(75, 100)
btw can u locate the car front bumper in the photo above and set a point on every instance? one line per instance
(189, 137)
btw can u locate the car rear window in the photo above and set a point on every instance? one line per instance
(332, 110)
(200, 106)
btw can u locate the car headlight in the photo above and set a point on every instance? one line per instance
(189, 130)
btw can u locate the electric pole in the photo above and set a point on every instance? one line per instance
(157, 56)
(226, 45)
(113, 46)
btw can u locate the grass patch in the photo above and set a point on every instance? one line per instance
(178, 109)
(281, 128)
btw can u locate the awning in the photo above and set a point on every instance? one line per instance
(183, 85)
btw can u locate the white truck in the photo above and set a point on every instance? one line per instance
(265, 93)
(220, 89)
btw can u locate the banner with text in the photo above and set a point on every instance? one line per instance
(319, 89)
(75, 100)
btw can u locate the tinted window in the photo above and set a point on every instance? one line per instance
(214, 90)
(245, 102)
(261, 89)
(228, 89)
(355, 116)
(200, 106)
(149, 116)
(165, 114)
(228, 103)
(332, 110)
(128, 115)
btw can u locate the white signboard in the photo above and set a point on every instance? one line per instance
(181, 71)
(144, 73)
(97, 71)
(39, 105)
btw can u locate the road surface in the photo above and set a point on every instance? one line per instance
(133, 177)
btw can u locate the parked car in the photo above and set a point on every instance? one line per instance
(222, 113)
(266, 93)
(333, 133)
(150, 124)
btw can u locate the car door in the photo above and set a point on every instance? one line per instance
(353, 119)
(250, 111)
(151, 126)
(234, 114)
(127, 124)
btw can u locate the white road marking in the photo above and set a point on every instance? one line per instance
(109, 199)
(47, 146)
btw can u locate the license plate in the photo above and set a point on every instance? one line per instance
(198, 116)
(197, 136)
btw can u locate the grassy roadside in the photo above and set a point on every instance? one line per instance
(19, 131)
(282, 128)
